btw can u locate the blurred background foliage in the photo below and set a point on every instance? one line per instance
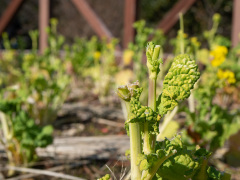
(72, 24)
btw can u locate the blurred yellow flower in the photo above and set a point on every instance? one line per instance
(218, 55)
(127, 57)
(8, 55)
(238, 52)
(110, 46)
(193, 39)
(28, 57)
(227, 75)
(180, 34)
(97, 55)
(123, 77)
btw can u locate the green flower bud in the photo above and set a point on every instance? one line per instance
(153, 60)
(128, 91)
(124, 93)
(134, 85)
(216, 17)
(135, 93)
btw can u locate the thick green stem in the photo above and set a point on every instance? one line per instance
(152, 94)
(212, 33)
(6, 130)
(202, 174)
(150, 139)
(8, 135)
(147, 144)
(135, 146)
(124, 109)
(191, 103)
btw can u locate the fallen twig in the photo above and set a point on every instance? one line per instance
(43, 172)
(108, 122)
(88, 171)
(128, 176)
(96, 171)
(57, 168)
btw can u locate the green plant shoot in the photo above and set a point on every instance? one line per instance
(168, 159)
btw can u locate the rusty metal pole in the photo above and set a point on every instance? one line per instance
(236, 23)
(43, 24)
(129, 19)
(9, 13)
(170, 19)
(91, 17)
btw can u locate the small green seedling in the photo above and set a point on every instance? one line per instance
(20, 135)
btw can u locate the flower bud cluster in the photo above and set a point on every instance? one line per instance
(153, 59)
(126, 92)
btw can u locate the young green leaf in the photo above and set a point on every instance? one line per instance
(178, 82)
(181, 165)
(149, 164)
(214, 174)
(186, 164)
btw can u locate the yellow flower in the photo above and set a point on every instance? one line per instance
(218, 55)
(127, 57)
(97, 55)
(217, 61)
(226, 75)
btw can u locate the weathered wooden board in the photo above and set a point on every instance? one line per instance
(96, 147)
(79, 112)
